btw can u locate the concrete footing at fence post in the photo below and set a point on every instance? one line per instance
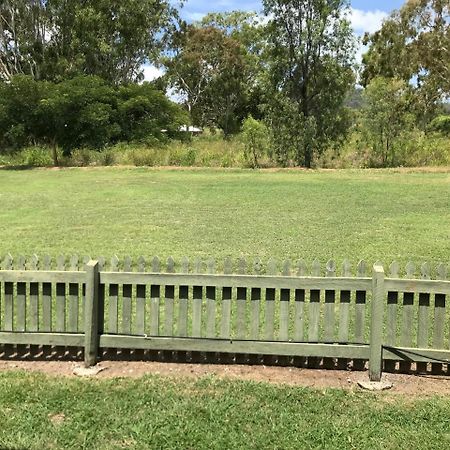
(91, 338)
(376, 325)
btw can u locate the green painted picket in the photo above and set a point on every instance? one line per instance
(272, 309)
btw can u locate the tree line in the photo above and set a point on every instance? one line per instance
(71, 73)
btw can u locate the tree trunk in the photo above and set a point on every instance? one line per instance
(55, 153)
(308, 157)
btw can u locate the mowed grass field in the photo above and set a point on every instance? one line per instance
(218, 213)
(372, 215)
(39, 412)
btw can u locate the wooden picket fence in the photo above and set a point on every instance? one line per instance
(257, 310)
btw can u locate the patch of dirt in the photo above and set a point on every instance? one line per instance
(408, 385)
(431, 169)
(57, 419)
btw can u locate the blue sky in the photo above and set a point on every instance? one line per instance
(195, 9)
(367, 15)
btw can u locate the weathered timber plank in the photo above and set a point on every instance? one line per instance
(41, 276)
(376, 325)
(73, 306)
(285, 300)
(241, 304)
(127, 291)
(21, 298)
(60, 305)
(8, 318)
(33, 316)
(113, 309)
(91, 336)
(344, 306)
(236, 280)
(241, 313)
(314, 306)
(183, 295)
(314, 315)
(141, 291)
(255, 304)
(197, 303)
(101, 297)
(418, 286)
(285, 297)
(424, 312)
(211, 303)
(299, 306)
(407, 319)
(225, 323)
(330, 306)
(47, 298)
(408, 312)
(60, 308)
(299, 311)
(9, 307)
(360, 306)
(439, 312)
(53, 339)
(392, 308)
(169, 299)
(269, 331)
(113, 302)
(155, 294)
(439, 321)
(236, 346)
(409, 354)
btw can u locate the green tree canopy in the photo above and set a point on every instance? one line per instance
(84, 111)
(386, 118)
(57, 39)
(210, 70)
(414, 45)
(310, 61)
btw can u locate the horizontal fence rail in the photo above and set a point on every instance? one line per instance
(259, 309)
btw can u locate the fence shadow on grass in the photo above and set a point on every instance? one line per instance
(70, 354)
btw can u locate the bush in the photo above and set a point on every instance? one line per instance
(37, 157)
(181, 156)
(141, 157)
(441, 124)
(82, 157)
(255, 136)
(85, 112)
(107, 157)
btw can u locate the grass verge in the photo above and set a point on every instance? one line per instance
(38, 412)
(370, 214)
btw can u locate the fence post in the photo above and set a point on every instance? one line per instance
(376, 325)
(91, 314)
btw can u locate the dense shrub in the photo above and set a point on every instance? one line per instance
(84, 112)
(255, 136)
(441, 124)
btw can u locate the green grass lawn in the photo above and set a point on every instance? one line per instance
(345, 214)
(37, 412)
(217, 213)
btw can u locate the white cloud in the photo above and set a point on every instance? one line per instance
(366, 21)
(152, 73)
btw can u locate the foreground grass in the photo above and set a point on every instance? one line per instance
(153, 412)
(343, 214)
